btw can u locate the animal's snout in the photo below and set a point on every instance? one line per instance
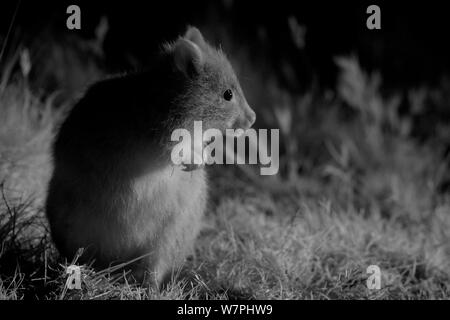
(245, 119)
(251, 117)
(248, 117)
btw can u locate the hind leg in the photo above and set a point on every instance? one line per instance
(172, 255)
(169, 264)
(178, 240)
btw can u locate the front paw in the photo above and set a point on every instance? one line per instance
(191, 167)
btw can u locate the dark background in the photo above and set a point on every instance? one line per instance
(410, 49)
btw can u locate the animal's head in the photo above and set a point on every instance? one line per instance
(212, 92)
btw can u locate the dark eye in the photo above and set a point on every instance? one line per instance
(228, 95)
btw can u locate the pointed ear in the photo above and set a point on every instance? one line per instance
(188, 57)
(194, 35)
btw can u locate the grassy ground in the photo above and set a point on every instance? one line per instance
(353, 191)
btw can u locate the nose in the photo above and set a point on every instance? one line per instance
(246, 118)
(250, 115)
